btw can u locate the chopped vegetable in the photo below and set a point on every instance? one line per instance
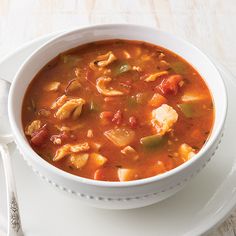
(106, 117)
(130, 152)
(39, 136)
(152, 141)
(121, 68)
(157, 100)
(98, 159)
(171, 84)
(190, 97)
(120, 136)
(126, 174)
(187, 109)
(78, 160)
(106, 173)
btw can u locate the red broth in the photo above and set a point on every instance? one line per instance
(117, 110)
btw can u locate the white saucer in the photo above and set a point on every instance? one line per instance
(203, 204)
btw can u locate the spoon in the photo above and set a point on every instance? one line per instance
(14, 223)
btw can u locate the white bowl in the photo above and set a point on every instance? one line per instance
(118, 195)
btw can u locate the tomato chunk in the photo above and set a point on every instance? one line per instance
(133, 122)
(117, 118)
(171, 84)
(40, 136)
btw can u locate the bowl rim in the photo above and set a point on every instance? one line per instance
(21, 142)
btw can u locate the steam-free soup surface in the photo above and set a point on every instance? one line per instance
(117, 110)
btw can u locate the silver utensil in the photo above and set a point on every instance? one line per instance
(14, 223)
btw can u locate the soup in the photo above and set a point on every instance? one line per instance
(117, 110)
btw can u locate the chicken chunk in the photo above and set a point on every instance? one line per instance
(67, 149)
(163, 118)
(186, 152)
(59, 102)
(103, 60)
(71, 108)
(34, 126)
(155, 76)
(101, 85)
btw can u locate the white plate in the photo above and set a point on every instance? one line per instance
(204, 203)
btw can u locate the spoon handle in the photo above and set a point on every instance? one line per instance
(14, 222)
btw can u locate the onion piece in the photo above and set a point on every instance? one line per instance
(120, 136)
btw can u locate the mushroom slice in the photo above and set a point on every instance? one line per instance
(129, 152)
(98, 159)
(164, 117)
(101, 85)
(59, 102)
(34, 126)
(67, 149)
(155, 76)
(52, 86)
(103, 60)
(78, 160)
(71, 108)
(186, 152)
(126, 174)
(120, 136)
